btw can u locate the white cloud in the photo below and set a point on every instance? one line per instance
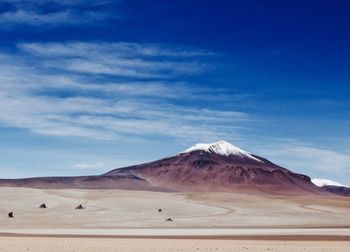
(304, 158)
(29, 17)
(121, 49)
(61, 12)
(40, 92)
(87, 166)
(117, 59)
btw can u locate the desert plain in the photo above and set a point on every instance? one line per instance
(120, 220)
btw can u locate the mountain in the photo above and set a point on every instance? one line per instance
(325, 182)
(218, 166)
(126, 182)
(332, 186)
(340, 190)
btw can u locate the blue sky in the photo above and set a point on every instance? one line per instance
(88, 86)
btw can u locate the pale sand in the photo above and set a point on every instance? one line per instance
(14, 244)
(115, 209)
(223, 233)
(116, 220)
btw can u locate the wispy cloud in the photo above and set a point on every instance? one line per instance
(57, 89)
(34, 18)
(121, 49)
(53, 12)
(118, 59)
(303, 157)
(88, 166)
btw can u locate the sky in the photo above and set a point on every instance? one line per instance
(89, 86)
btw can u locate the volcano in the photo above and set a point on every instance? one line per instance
(218, 166)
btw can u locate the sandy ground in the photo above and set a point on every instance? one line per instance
(113, 209)
(205, 233)
(129, 245)
(116, 220)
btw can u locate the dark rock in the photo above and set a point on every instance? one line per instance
(43, 206)
(80, 207)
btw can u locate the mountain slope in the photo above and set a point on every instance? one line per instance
(126, 182)
(218, 166)
(340, 190)
(332, 186)
(325, 182)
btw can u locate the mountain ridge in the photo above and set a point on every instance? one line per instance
(218, 166)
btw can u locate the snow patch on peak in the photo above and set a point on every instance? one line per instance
(221, 148)
(325, 182)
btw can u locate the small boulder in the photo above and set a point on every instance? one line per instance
(169, 219)
(43, 206)
(10, 215)
(79, 207)
(160, 210)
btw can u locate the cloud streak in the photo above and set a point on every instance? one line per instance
(302, 157)
(47, 89)
(118, 59)
(53, 13)
(88, 166)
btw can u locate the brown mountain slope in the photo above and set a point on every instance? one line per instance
(206, 167)
(340, 190)
(205, 171)
(126, 182)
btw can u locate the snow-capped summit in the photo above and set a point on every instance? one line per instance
(221, 148)
(326, 182)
